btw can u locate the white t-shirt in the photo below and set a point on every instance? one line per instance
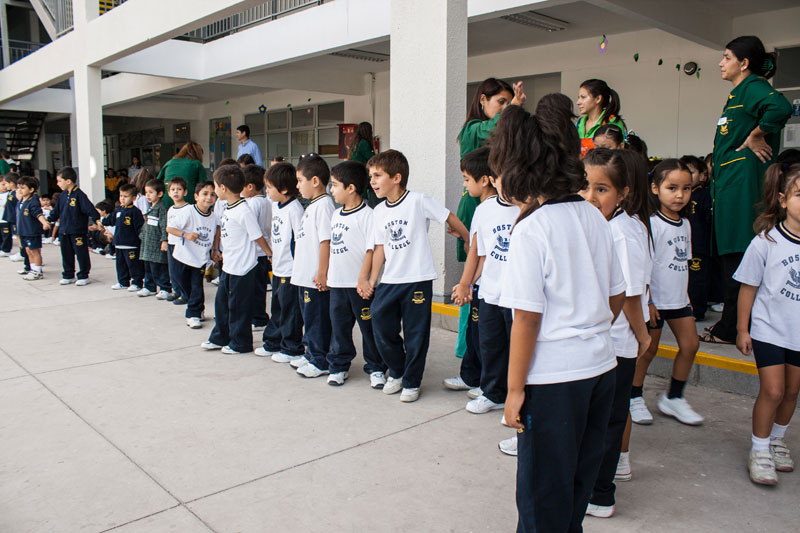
(774, 267)
(3, 201)
(219, 208)
(141, 202)
(285, 224)
(351, 237)
(262, 209)
(172, 217)
(492, 222)
(190, 219)
(239, 230)
(669, 284)
(315, 227)
(563, 265)
(633, 251)
(402, 228)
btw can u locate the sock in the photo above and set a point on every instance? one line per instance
(759, 444)
(636, 392)
(778, 431)
(675, 388)
(624, 456)
(37, 268)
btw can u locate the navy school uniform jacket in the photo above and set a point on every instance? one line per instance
(10, 212)
(73, 211)
(28, 214)
(700, 221)
(127, 222)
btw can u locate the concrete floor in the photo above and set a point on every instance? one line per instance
(111, 418)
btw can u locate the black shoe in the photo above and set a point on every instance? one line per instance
(170, 298)
(179, 301)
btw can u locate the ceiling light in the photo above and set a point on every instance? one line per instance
(535, 20)
(362, 55)
(174, 96)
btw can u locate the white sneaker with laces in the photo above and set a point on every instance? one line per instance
(82, 282)
(47, 240)
(261, 352)
(600, 511)
(33, 276)
(508, 446)
(680, 409)
(162, 295)
(16, 258)
(311, 371)
(455, 383)
(762, 468)
(640, 414)
(296, 361)
(193, 322)
(623, 472)
(118, 287)
(409, 395)
(145, 292)
(377, 380)
(215, 281)
(208, 345)
(134, 288)
(393, 385)
(4, 254)
(717, 308)
(482, 404)
(337, 378)
(227, 350)
(65, 281)
(780, 455)
(474, 393)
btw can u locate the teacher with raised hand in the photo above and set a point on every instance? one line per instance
(746, 143)
(187, 164)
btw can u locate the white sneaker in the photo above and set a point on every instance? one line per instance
(393, 385)
(193, 322)
(145, 292)
(680, 409)
(227, 350)
(717, 308)
(4, 254)
(623, 472)
(508, 446)
(409, 395)
(16, 258)
(762, 468)
(377, 380)
(215, 281)
(57, 242)
(600, 511)
(311, 371)
(65, 281)
(474, 393)
(96, 250)
(258, 328)
(162, 295)
(33, 276)
(455, 383)
(111, 256)
(295, 360)
(134, 288)
(208, 345)
(639, 412)
(261, 352)
(22, 271)
(780, 455)
(118, 287)
(482, 404)
(82, 282)
(47, 240)
(337, 378)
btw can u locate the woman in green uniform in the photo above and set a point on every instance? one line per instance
(187, 164)
(362, 150)
(746, 143)
(599, 105)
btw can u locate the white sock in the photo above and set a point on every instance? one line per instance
(759, 444)
(37, 268)
(778, 431)
(624, 455)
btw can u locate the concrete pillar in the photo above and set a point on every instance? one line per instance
(428, 77)
(89, 131)
(41, 160)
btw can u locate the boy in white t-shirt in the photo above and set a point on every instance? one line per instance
(282, 338)
(253, 193)
(404, 295)
(176, 189)
(350, 266)
(196, 231)
(310, 269)
(240, 234)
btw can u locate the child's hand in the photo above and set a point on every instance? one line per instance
(216, 257)
(514, 401)
(364, 289)
(321, 281)
(94, 227)
(644, 344)
(654, 315)
(451, 231)
(462, 294)
(744, 343)
(164, 246)
(191, 236)
(46, 226)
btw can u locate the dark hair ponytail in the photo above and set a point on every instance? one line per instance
(751, 48)
(779, 178)
(612, 131)
(609, 99)
(637, 202)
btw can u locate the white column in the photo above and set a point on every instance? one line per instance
(428, 78)
(41, 156)
(89, 131)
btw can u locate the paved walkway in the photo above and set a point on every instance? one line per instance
(105, 426)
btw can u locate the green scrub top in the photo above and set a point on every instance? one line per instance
(737, 178)
(191, 170)
(5, 168)
(363, 152)
(586, 136)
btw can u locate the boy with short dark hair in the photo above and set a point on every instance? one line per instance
(176, 188)
(153, 250)
(404, 295)
(240, 233)
(73, 211)
(127, 221)
(30, 222)
(253, 193)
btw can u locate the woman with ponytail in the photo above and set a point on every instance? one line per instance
(746, 142)
(599, 105)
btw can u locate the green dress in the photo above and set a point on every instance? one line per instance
(191, 170)
(737, 178)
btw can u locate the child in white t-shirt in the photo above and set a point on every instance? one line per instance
(253, 193)
(767, 325)
(176, 188)
(196, 232)
(283, 335)
(350, 266)
(404, 294)
(239, 235)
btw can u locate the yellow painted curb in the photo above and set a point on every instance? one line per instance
(444, 309)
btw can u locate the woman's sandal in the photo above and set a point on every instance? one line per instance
(708, 337)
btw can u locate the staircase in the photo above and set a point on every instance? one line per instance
(20, 130)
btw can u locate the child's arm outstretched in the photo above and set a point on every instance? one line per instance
(363, 287)
(456, 228)
(747, 295)
(462, 293)
(524, 332)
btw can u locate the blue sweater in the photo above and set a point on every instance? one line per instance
(73, 211)
(10, 212)
(28, 214)
(127, 222)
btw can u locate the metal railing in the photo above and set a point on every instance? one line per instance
(61, 12)
(19, 49)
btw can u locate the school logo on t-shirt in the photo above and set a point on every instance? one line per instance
(25, 213)
(73, 202)
(397, 234)
(127, 221)
(794, 279)
(277, 222)
(681, 255)
(337, 238)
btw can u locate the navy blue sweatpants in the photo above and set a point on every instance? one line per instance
(188, 281)
(347, 308)
(284, 331)
(156, 275)
(173, 273)
(75, 246)
(471, 362)
(260, 316)
(6, 238)
(495, 336)
(130, 268)
(316, 308)
(233, 308)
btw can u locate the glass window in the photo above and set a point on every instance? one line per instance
(257, 123)
(277, 120)
(328, 140)
(277, 144)
(331, 114)
(303, 142)
(302, 118)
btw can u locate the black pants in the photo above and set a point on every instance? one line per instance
(233, 307)
(177, 287)
(408, 304)
(156, 275)
(284, 331)
(471, 362)
(316, 308)
(603, 493)
(130, 268)
(495, 335)
(560, 451)
(72, 246)
(699, 269)
(347, 308)
(260, 316)
(6, 237)
(725, 329)
(188, 281)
